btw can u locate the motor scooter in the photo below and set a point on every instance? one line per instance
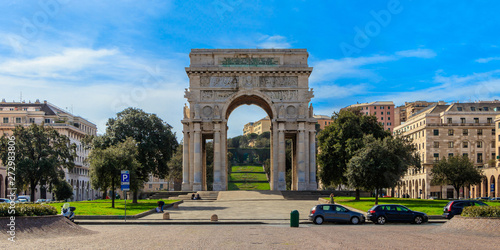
(68, 212)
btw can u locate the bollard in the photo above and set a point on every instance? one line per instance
(176, 205)
(214, 217)
(166, 216)
(294, 218)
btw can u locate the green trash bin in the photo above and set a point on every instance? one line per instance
(294, 218)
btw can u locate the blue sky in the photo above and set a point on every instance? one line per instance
(98, 57)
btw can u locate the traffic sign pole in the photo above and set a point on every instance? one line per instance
(125, 178)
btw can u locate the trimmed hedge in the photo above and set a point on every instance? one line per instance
(481, 211)
(27, 210)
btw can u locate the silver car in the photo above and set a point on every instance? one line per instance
(334, 213)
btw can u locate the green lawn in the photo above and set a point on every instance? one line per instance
(243, 177)
(103, 207)
(430, 207)
(247, 169)
(248, 186)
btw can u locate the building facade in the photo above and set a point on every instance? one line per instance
(14, 114)
(384, 111)
(440, 131)
(401, 113)
(261, 126)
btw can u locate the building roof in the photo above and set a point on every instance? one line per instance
(322, 117)
(371, 104)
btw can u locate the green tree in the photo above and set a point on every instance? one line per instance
(381, 163)
(41, 153)
(458, 171)
(175, 164)
(106, 165)
(155, 140)
(339, 141)
(63, 190)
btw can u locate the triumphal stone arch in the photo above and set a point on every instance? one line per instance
(277, 80)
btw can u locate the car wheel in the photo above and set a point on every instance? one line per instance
(355, 220)
(418, 220)
(381, 220)
(318, 220)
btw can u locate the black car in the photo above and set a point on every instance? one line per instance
(381, 214)
(456, 207)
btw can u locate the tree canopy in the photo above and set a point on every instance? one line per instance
(155, 141)
(381, 163)
(339, 141)
(458, 171)
(41, 153)
(106, 165)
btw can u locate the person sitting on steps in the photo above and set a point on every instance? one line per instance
(192, 196)
(197, 197)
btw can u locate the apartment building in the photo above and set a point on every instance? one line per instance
(401, 113)
(14, 114)
(384, 111)
(258, 127)
(449, 130)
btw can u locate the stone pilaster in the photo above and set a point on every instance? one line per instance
(185, 160)
(281, 157)
(313, 185)
(217, 185)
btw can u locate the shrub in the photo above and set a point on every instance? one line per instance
(481, 211)
(27, 210)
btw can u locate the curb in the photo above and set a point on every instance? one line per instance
(121, 217)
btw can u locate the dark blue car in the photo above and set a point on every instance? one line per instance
(381, 214)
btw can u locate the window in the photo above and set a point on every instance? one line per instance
(450, 131)
(476, 120)
(389, 118)
(381, 107)
(5, 120)
(465, 132)
(465, 144)
(381, 118)
(436, 144)
(388, 107)
(450, 154)
(492, 144)
(479, 132)
(32, 120)
(450, 120)
(389, 123)
(493, 131)
(465, 154)
(366, 113)
(381, 113)
(479, 158)
(459, 108)
(486, 109)
(450, 144)
(18, 119)
(479, 144)
(388, 113)
(489, 120)
(436, 131)
(47, 120)
(462, 120)
(492, 156)
(374, 113)
(472, 108)
(375, 107)
(161, 186)
(436, 157)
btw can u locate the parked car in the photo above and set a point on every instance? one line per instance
(3, 200)
(457, 206)
(334, 213)
(484, 198)
(27, 198)
(495, 199)
(22, 200)
(381, 214)
(40, 201)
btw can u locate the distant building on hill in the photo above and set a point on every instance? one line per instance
(258, 127)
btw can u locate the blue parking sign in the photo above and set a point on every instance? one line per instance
(125, 179)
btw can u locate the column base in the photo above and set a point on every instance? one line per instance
(218, 187)
(197, 187)
(186, 186)
(313, 186)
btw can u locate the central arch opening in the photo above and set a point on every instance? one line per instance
(248, 144)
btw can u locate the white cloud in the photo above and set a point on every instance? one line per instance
(487, 60)
(62, 65)
(273, 42)
(418, 53)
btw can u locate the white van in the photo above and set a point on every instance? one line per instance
(26, 197)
